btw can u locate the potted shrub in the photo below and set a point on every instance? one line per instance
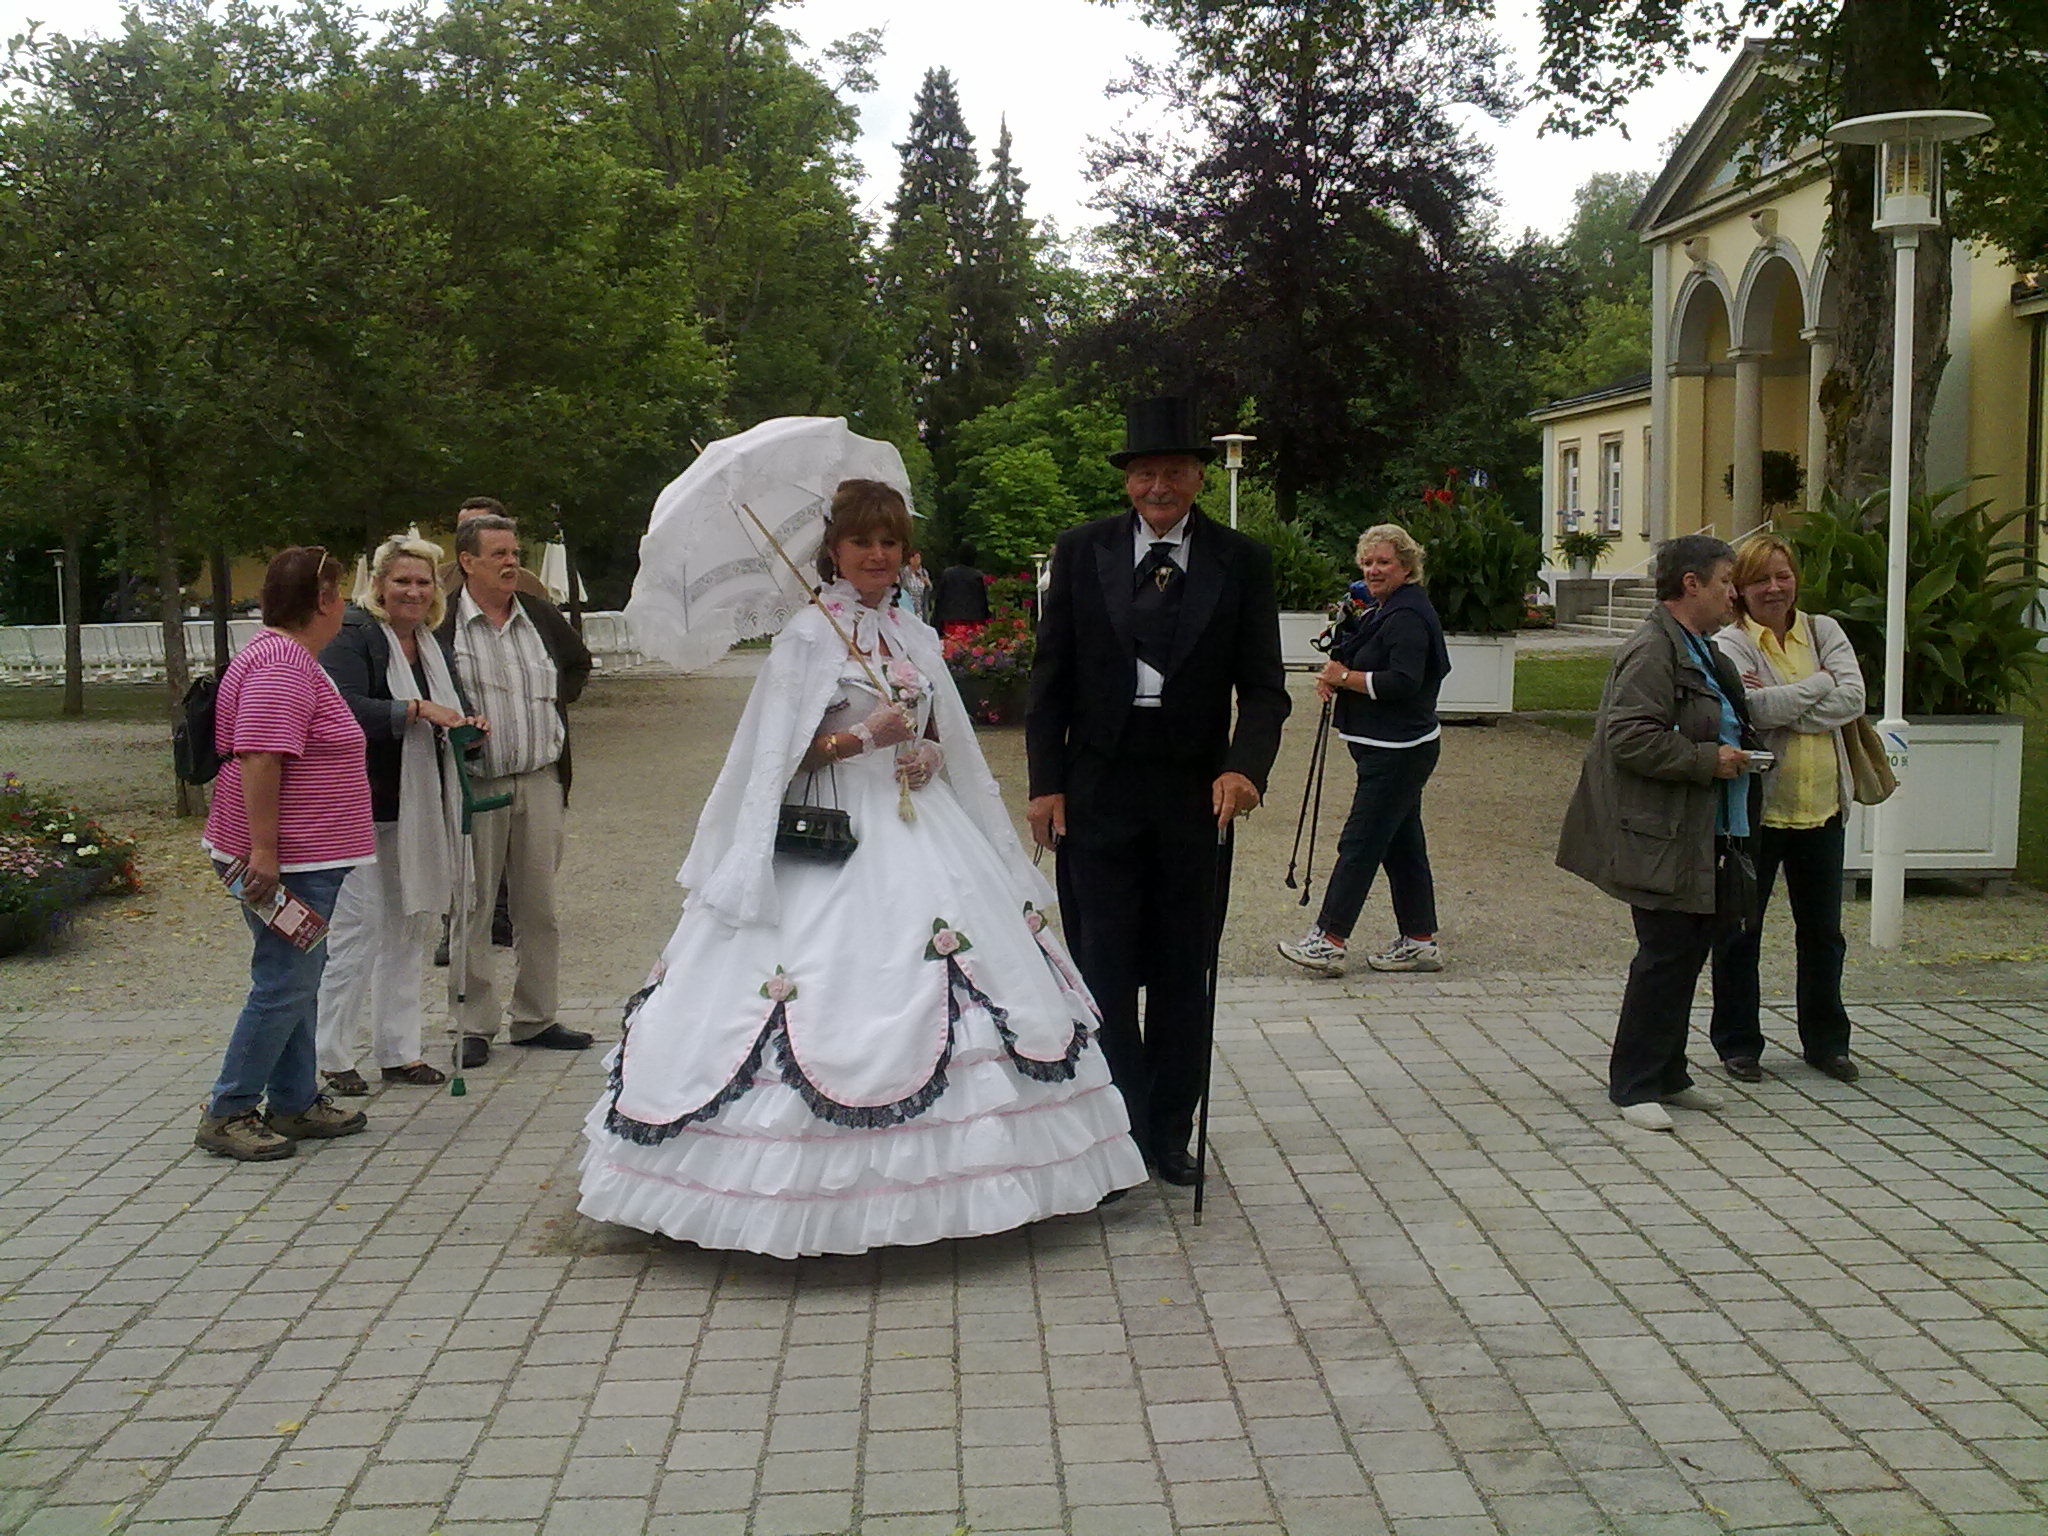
(1478, 568)
(1581, 551)
(1306, 580)
(1971, 650)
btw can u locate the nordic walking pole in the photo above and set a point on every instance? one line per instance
(1315, 820)
(459, 739)
(1223, 843)
(1311, 789)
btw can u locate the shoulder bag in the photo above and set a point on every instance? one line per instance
(1871, 780)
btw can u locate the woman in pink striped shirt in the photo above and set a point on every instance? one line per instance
(293, 803)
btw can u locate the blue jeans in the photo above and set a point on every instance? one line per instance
(271, 1053)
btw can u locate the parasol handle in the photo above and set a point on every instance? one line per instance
(851, 649)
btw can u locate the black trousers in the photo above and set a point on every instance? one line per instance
(1384, 831)
(1656, 1007)
(1811, 858)
(1143, 884)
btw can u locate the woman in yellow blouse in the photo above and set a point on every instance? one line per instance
(1804, 685)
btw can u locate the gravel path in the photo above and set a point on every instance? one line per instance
(649, 745)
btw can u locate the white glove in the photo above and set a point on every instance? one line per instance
(919, 764)
(886, 727)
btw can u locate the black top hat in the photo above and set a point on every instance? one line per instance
(1163, 425)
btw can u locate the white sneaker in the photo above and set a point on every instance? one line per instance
(1315, 951)
(1409, 955)
(1693, 1098)
(1646, 1117)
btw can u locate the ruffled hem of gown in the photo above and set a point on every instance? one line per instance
(996, 1152)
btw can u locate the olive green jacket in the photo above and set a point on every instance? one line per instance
(1641, 823)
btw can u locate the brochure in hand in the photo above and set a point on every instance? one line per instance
(284, 914)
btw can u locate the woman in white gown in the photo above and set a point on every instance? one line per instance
(884, 1050)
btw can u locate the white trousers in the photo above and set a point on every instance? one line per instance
(376, 968)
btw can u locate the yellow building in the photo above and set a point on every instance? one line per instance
(1743, 317)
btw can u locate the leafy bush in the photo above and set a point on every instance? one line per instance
(1970, 647)
(1479, 563)
(1305, 576)
(992, 666)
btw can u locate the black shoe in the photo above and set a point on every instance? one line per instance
(1841, 1068)
(1743, 1069)
(476, 1050)
(441, 951)
(1174, 1166)
(1111, 1198)
(501, 933)
(557, 1038)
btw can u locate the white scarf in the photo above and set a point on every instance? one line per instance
(730, 868)
(429, 799)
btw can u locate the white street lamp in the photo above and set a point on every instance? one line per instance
(1233, 460)
(57, 559)
(1906, 205)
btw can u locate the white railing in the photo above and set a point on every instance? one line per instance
(134, 652)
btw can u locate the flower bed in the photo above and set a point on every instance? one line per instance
(53, 858)
(991, 663)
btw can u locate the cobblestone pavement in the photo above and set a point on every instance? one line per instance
(1440, 1290)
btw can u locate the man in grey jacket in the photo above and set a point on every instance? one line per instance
(1665, 785)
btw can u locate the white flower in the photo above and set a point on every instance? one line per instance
(89, 850)
(70, 837)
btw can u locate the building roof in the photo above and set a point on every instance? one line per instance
(1635, 387)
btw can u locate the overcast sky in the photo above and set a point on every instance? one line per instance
(1047, 77)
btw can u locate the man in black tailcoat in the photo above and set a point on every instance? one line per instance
(1155, 622)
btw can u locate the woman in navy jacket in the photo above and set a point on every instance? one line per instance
(1383, 677)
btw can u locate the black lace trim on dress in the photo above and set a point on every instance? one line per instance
(866, 1117)
(645, 1134)
(1060, 1070)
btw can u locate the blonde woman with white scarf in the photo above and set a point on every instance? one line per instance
(397, 681)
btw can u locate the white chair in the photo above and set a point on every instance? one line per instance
(101, 661)
(46, 643)
(18, 656)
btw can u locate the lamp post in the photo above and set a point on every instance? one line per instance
(1233, 460)
(1907, 204)
(57, 560)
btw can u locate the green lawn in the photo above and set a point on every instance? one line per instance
(1562, 691)
(103, 701)
(1560, 682)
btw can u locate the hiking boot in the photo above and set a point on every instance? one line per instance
(243, 1137)
(1409, 955)
(317, 1121)
(1315, 951)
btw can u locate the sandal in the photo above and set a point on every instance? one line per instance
(418, 1073)
(346, 1085)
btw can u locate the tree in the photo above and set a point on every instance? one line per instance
(1848, 58)
(1606, 321)
(1297, 243)
(1032, 466)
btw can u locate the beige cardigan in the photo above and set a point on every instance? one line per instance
(1824, 702)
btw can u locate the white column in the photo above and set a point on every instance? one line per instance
(1820, 358)
(1749, 436)
(1888, 855)
(1661, 321)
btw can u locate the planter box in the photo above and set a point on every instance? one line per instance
(1962, 794)
(1482, 680)
(1297, 630)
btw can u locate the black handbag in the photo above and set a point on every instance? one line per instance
(823, 833)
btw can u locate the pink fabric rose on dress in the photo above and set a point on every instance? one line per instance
(778, 988)
(946, 941)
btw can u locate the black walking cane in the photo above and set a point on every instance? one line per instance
(1223, 849)
(1311, 793)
